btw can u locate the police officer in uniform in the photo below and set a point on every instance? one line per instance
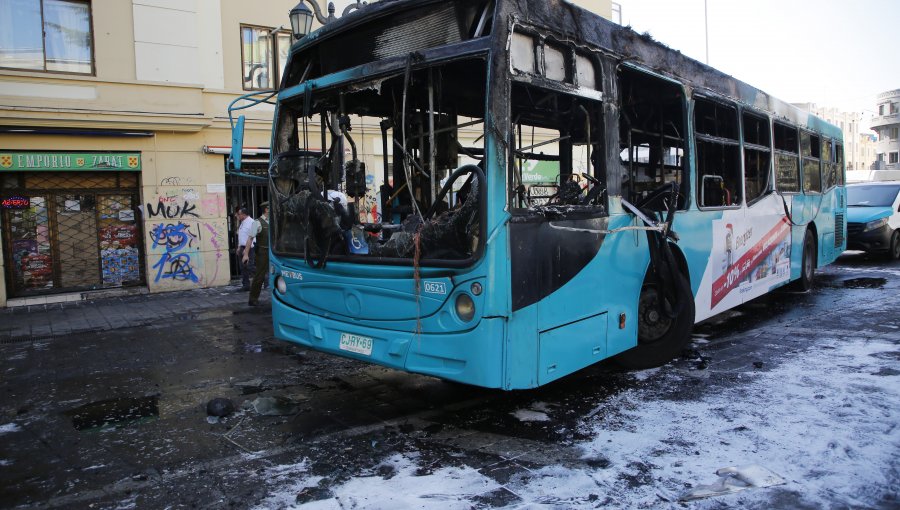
(262, 255)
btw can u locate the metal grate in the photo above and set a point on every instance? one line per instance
(854, 229)
(838, 230)
(78, 231)
(246, 192)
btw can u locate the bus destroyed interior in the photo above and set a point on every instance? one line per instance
(431, 207)
(557, 164)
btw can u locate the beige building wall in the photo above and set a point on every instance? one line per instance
(174, 85)
(601, 7)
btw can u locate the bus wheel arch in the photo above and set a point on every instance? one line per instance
(660, 338)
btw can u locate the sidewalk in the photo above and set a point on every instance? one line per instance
(32, 322)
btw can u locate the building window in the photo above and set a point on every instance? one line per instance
(892, 157)
(894, 109)
(881, 109)
(46, 35)
(617, 12)
(892, 133)
(264, 54)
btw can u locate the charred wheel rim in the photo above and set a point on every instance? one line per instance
(652, 325)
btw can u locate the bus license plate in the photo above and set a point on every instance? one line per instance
(356, 343)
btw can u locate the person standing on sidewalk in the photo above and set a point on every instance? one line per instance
(245, 247)
(261, 240)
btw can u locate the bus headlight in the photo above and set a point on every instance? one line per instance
(280, 285)
(874, 225)
(465, 307)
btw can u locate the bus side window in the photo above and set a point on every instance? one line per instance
(718, 153)
(787, 159)
(839, 164)
(556, 156)
(810, 151)
(829, 178)
(651, 135)
(757, 156)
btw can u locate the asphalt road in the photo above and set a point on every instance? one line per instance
(804, 385)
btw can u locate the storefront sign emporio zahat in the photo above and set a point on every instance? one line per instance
(63, 161)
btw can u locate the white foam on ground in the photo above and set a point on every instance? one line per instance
(822, 420)
(9, 427)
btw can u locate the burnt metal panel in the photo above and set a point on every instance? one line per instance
(544, 258)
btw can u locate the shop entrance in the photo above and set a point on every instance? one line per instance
(66, 231)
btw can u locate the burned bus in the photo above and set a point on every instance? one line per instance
(503, 192)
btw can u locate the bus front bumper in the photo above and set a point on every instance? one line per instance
(472, 357)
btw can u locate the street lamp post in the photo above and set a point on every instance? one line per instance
(706, 26)
(301, 16)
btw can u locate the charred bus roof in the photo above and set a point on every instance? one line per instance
(395, 28)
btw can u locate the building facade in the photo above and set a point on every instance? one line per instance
(886, 123)
(113, 134)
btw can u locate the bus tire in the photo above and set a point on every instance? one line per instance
(660, 339)
(807, 263)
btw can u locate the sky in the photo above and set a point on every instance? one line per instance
(833, 53)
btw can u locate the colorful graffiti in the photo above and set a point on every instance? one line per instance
(217, 240)
(178, 242)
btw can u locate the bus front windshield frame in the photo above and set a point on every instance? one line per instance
(388, 169)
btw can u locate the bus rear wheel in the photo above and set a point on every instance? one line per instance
(660, 338)
(807, 264)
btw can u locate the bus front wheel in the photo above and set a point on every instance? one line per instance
(660, 337)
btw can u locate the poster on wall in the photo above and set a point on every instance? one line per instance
(119, 266)
(119, 241)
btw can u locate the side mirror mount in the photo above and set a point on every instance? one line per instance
(237, 144)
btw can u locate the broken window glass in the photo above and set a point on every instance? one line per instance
(829, 167)
(377, 169)
(810, 151)
(522, 52)
(718, 153)
(757, 151)
(651, 136)
(839, 162)
(787, 161)
(555, 157)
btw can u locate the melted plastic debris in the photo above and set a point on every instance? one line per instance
(734, 479)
